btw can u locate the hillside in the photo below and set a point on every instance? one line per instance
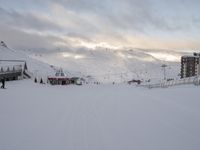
(113, 65)
(36, 67)
(104, 65)
(96, 117)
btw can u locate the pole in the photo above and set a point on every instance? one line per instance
(164, 71)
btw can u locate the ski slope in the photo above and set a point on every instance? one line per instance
(107, 65)
(102, 65)
(35, 67)
(98, 117)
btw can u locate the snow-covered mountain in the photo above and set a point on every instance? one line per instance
(104, 65)
(95, 117)
(114, 65)
(36, 67)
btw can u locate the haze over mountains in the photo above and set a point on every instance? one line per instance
(102, 64)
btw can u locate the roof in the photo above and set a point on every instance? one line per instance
(189, 56)
(195, 55)
(58, 78)
(59, 75)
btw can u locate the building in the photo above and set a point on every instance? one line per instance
(190, 65)
(13, 70)
(60, 78)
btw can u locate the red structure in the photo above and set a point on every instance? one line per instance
(59, 81)
(59, 78)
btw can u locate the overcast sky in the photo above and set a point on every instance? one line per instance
(51, 24)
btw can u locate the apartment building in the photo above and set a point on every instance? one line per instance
(190, 65)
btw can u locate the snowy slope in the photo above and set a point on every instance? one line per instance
(101, 117)
(113, 65)
(104, 65)
(36, 67)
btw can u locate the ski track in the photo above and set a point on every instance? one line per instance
(183, 109)
(92, 117)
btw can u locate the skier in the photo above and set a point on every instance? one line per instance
(3, 83)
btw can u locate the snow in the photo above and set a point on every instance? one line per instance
(98, 117)
(102, 65)
(36, 67)
(111, 65)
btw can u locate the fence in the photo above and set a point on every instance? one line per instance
(190, 80)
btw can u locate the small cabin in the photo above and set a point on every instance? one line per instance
(60, 78)
(77, 80)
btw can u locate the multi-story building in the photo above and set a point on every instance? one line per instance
(190, 65)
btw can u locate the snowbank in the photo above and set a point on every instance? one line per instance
(98, 117)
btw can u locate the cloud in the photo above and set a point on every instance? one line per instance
(127, 23)
(27, 20)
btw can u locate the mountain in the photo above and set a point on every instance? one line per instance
(36, 67)
(107, 65)
(101, 64)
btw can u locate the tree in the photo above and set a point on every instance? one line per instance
(25, 66)
(35, 80)
(41, 81)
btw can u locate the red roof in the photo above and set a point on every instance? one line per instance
(58, 78)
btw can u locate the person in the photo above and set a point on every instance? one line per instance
(3, 83)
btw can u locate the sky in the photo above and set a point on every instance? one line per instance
(118, 24)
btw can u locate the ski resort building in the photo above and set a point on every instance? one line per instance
(60, 78)
(190, 65)
(13, 70)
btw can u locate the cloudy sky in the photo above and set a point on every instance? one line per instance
(52, 24)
